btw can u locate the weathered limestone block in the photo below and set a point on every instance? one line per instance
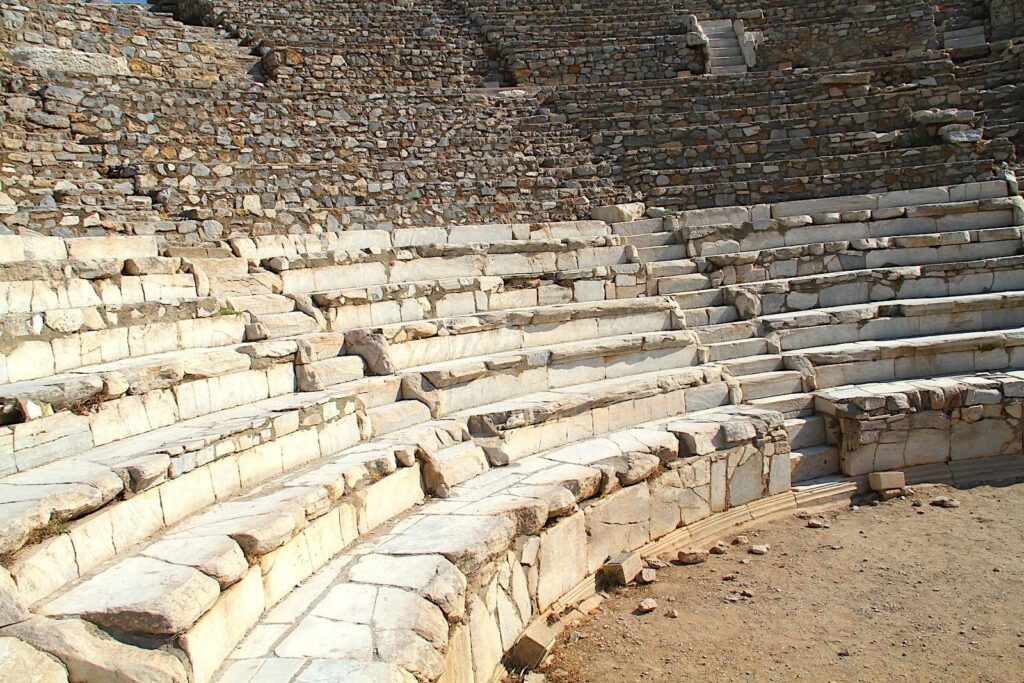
(485, 637)
(91, 655)
(562, 559)
(616, 523)
(218, 557)
(432, 576)
(452, 466)
(22, 662)
(618, 213)
(141, 595)
(211, 639)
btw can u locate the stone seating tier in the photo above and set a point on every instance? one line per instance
(489, 389)
(332, 393)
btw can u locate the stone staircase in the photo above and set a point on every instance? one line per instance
(724, 48)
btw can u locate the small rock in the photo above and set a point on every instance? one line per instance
(816, 524)
(672, 614)
(741, 540)
(656, 563)
(647, 605)
(759, 549)
(692, 556)
(729, 577)
(647, 576)
(945, 502)
(747, 593)
(918, 503)
(719, 548)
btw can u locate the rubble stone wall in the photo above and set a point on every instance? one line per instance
(667, 58)
(811, 44)
(1007, 18)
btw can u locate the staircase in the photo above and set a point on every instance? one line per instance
(726, 56)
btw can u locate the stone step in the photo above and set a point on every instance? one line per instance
(924, 281)
(418, 578)
(753, 365)
(658, 269)
(640, 227)
(117, 386)
(453, 466)
(700, 299)
(283, 532)
(179, 458)
(814, 462)
(677, 284)
(722, 61)
(912, 250)
(672, 252)
(713, 315)
(43, 345)
(903, 318)
(260, 304)
(769, 384)
(728, 70)
(514, 331)
(737, 349)
(457, 385)
(280, 326)
(653, 239)
(799, 404)
(909, 358)
(723, 49)
(805, 432)
(739, 330)
(978, 30)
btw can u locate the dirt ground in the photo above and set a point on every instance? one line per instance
(886, 592)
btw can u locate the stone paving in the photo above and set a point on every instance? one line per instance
(350, 341)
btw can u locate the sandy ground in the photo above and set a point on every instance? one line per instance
(886, 592)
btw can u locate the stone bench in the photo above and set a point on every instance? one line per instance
(927, 427)
(767, 231)
(895, 319)
(596, 497)
(886, 360)
(878, 284)
(888, 252)
(285, 534)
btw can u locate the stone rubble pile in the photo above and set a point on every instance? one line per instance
(350, 341)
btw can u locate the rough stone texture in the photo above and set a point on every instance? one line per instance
(68, 61)
(91, 655)
(141, 595)
(22, 662)
(307, 335)
(1007, 18)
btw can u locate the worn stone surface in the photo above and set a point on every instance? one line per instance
(91, 655)
(141, 595)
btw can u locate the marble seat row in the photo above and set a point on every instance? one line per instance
(356, 351)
